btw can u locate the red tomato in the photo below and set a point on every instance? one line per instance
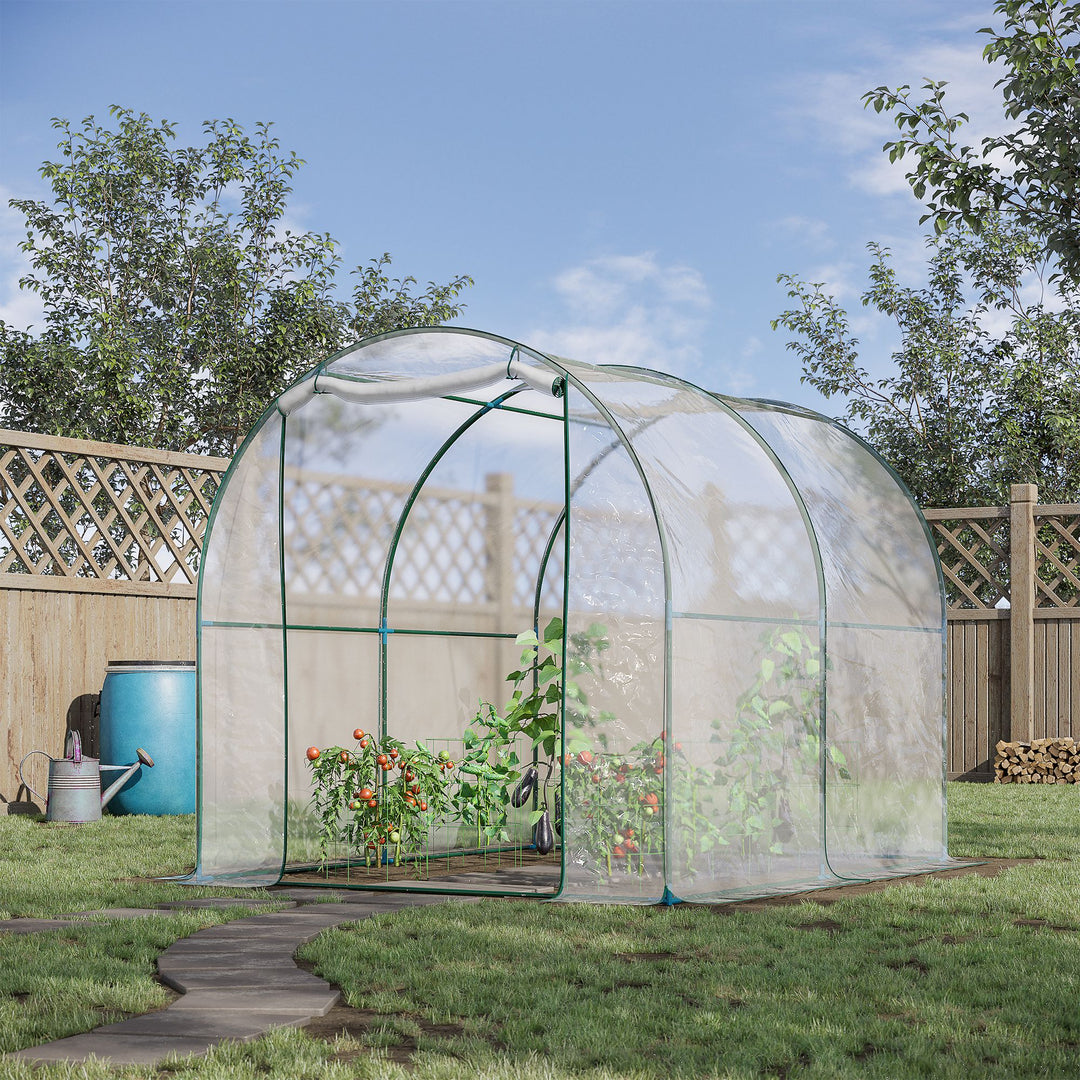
(651, 799)
(312, 753)
(363, 744)
(409, 777)
(618, 852)
(365, 794)
(585, 757)
(382, 759)
(373, 803)
(393, 753)
(414, 787)
(410, 799)
(596, 778)
(343, 756)
(423, 805)
(358, 733)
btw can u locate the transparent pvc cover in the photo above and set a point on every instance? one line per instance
(712, 627)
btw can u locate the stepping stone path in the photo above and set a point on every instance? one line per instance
(237, 980)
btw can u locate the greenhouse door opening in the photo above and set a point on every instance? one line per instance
(477, 619)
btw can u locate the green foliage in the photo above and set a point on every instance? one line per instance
(967, 409)
(177, 301)
(1031, 171)
(771, 745)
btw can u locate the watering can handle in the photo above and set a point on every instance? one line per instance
(25, 782)
(74, 743)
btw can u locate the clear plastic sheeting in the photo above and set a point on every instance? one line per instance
(602, 635)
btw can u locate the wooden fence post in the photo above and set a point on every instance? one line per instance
(500, 547)
(1022, 500)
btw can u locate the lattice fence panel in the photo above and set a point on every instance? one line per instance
(974, 553)
(533, 523)
(339, 529)
(83, 510)
(1057, 560)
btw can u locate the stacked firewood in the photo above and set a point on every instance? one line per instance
(1044, 761)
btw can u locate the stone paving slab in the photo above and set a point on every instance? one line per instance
(225, 902)
(211, 1024)
(316, 1001)
(119, 1049)
(116, 913)
(230, 947)
(209, 981)
(225, 963)
(190, 974)
(32, 926)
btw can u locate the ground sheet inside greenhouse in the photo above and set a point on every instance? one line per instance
(522, 871)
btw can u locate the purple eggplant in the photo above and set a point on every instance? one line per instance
(545, 838)
(524, 787)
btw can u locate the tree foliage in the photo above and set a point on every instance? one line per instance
(1031, 172)
(985, 385)
(177, 301)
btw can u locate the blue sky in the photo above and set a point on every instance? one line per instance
(623, 180)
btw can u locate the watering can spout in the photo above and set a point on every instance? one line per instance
(128, 772)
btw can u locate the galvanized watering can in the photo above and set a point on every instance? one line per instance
(75, 793)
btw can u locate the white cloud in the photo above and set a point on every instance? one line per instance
(832, 104)
(19, 308)
(812, 231)
(630, 309)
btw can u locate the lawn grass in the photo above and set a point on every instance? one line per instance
(49, 869)
(1014, 821)
(969, 976)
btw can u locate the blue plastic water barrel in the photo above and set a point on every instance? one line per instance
(150, 704)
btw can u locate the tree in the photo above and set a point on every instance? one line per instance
(969, 408)
(177, 304)
(1032, 172)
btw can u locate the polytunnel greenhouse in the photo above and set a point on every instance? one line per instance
(477, 619)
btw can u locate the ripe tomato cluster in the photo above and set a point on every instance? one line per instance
(392, 792)
(619, 799)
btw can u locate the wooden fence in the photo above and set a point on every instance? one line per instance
(99, 558)
(1013, 578)
(100, 548)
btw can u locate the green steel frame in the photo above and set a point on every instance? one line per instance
(563, 525)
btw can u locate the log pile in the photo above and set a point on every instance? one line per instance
(1044, 761)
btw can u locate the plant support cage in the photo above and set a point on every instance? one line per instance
(750, 696)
